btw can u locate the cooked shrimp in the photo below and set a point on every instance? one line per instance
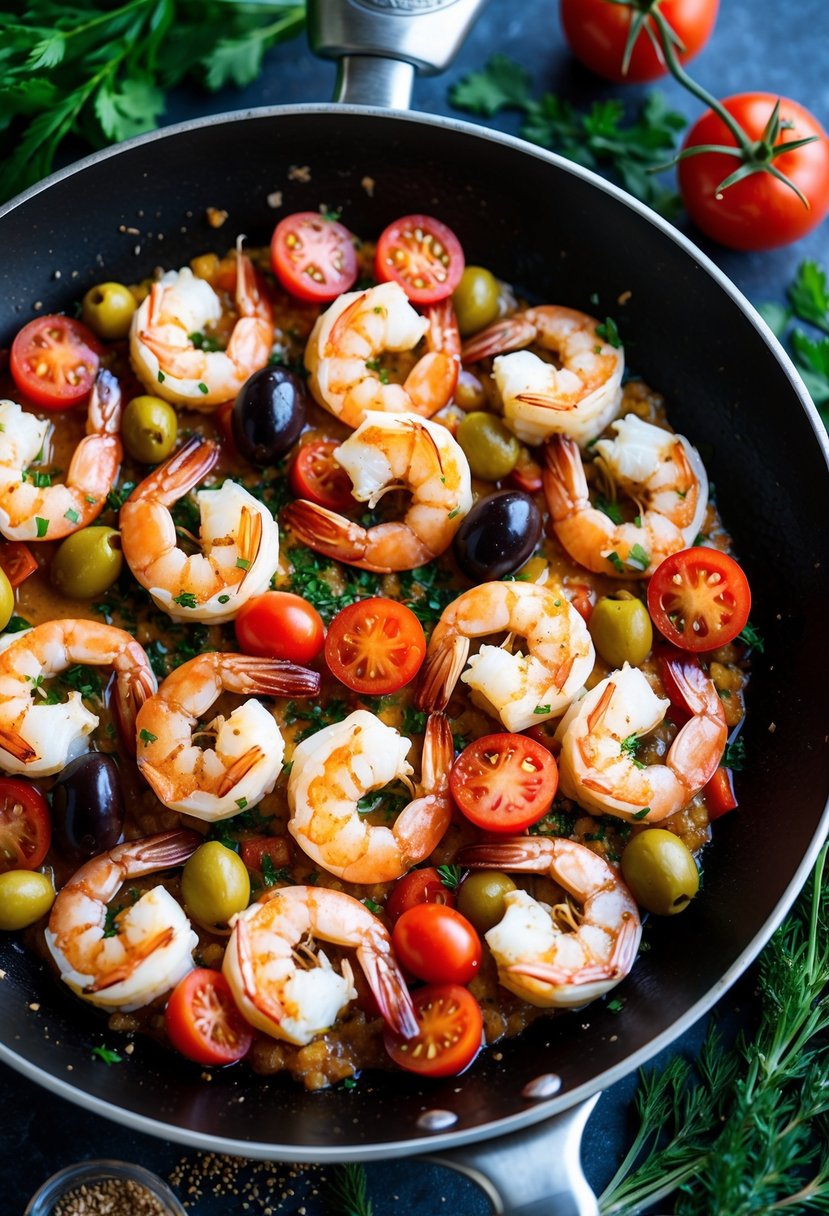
(560, 957)
(239, 540)
(286, 989)
(659, 470)
(37, 738)
(388, 452)
(179, 306)
(348, 339)
(336, 767)
(125, 961)
(245, 758)
(520, 689)
(577, 396)
(30, 510)
(598, 766)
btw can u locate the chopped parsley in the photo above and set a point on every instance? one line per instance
(616, 562)
(611, 509)
(554, 823)
(204, 342)
(390, 801)
(224, 599)
(734, 756)
(203, 387)
(17, 624)
(241, 803)
(750, 636)
(646, 810)
(450, 876)
(242, 563)
(543, 709)
(608, 331)
(185, 600)
(161, 376)
(373, 365)
(42, 526)
(454, 514)
(630, 748)
(372, 906)
(638, 557)
(147, 737)
(272, 874)
(72, 515)
(107, 1055)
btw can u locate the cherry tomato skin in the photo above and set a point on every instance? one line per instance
(758, 212)
(315, 475)
(313, 257)
(437, 944)
(676, 668)
(583, 599)
(417, 887)
(25, 825)
(422, 255)
(54, 361)
(699, 599)
(719, 794)
(17, 561)
(253, 850)
(375, 646)
(202, 1020)
(280, 625)
(504, 783)
(451, 1029)
(597, 33)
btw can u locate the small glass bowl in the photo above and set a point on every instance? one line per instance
(87, 1173)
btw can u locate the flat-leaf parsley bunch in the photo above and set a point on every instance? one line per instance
(100, 70)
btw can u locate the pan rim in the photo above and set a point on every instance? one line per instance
(537, 1112)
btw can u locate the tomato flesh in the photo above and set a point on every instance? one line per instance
(504, 783)
(313, 257)
(265, 852)
(25, 825)
(677, 669)
(54, 361)
(280, 625)
(597, 33)
(451, 1029)
(16, 561)
(375, 646)
(423, 255)
(437, 944)
(417, 887)
(315, 475)
(202, 1020)
(699, 599)
(760, 211)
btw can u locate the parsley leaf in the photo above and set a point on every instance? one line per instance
(809, 295)
(630, 748)
(603, 136)
(734, 756)
(450, 876)
(107, 1055)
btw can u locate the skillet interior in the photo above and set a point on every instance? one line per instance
(553, 233)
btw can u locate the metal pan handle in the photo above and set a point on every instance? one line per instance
(380, 44)
(535, 1172)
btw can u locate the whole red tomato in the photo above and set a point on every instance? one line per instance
(598, 30)
(760, 211)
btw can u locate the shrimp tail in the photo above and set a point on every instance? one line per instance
(512, 333)
(261, 996)
(325, 531)
(249, 540)
(244, 673)
(565, 485)
(239, 769)
(155, 853)
(438, 753)
(440, 674)
(529, 854)
(132, 689)
(16, 746)
(546, 401)
(104, 416)
(389, 989)
(180, 472)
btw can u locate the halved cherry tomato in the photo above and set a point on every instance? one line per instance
(280, 625)
(277, 849)
(54, 361)
(719, 794)
(437, 944)
(597, 31)
(415, 888)
(313, 256)
(315, 475)
(375, 646)
(422, 255)
(450, 1035)
(699, 599)
(16, 561)
(504, 783)
(25, 825)
(676, 669)
(203, 1022)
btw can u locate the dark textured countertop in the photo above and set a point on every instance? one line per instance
(753, 47)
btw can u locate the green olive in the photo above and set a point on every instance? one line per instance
(481, 897)
(476, 299)
(660, 871)
(6, 600)
(25, 896)
(621, 629)
(490, 447)
(87, 563)
(214, 884)
(149, 429)
(108, 309)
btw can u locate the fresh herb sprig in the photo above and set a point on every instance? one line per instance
(348, 1191)
(601, 137)
(808, 301)
(745, 1130)
(100, 71)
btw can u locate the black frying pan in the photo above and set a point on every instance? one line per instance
(560, 234)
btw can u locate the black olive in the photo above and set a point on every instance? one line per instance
(268, 415)
(498, 535)
(87, 807)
